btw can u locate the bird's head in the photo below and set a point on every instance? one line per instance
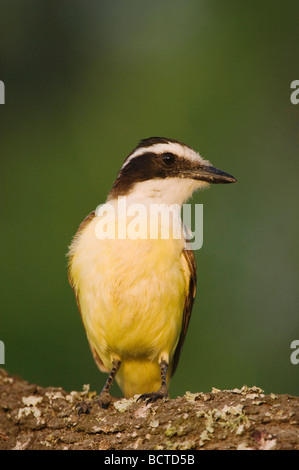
(164, 171)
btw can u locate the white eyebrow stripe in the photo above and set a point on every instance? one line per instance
(171, 147)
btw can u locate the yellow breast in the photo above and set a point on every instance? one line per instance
(131, 295)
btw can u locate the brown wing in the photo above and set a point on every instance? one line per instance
(190, 259)
(76, 290)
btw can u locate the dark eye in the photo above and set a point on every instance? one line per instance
(168, 158)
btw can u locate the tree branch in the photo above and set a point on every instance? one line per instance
(33, 417)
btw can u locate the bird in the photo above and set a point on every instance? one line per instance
(136, 295)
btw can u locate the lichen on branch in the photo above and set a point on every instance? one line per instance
(36, 418)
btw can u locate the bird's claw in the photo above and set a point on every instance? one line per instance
(153, 396)
(83, 408)
(104, 399)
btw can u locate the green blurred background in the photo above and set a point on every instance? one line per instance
(85, 81)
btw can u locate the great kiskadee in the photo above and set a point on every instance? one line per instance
(135, 294)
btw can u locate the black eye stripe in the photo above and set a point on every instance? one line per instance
(168, 158)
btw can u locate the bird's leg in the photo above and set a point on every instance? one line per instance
(104, 398)
(163, 391)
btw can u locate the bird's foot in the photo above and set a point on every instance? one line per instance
(83, 407)
(154, 396)
(104, 399)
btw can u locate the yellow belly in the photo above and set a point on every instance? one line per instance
(131, 295)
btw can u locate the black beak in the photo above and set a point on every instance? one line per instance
(211, 175)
